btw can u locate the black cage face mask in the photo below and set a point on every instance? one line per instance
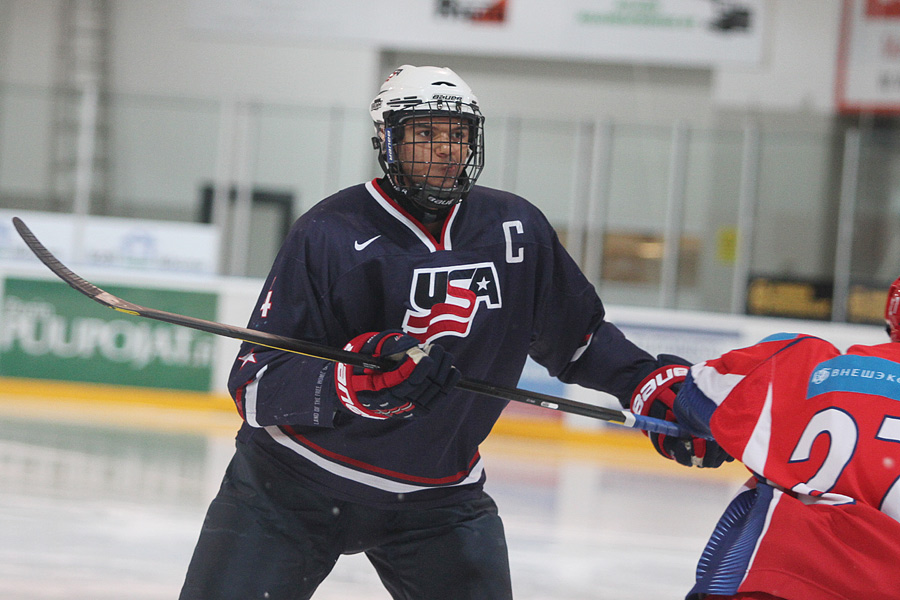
(434, 154)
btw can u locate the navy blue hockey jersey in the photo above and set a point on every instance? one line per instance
(495, 287)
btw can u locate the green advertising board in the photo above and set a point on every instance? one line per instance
(49, 331)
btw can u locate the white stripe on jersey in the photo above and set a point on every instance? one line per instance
(250, 395)
(714, 385)
(369, 479)
(756, 452)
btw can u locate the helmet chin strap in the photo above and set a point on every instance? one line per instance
(440, 197)
(432, 199)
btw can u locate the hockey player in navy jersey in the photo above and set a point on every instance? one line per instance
(446, 277)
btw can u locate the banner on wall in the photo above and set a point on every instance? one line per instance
(699, 33)
(48, 331)
(114, 242)
(868, 74)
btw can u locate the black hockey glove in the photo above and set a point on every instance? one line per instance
(654, 397)
(422, 376)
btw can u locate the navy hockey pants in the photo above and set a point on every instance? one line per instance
(267, 536)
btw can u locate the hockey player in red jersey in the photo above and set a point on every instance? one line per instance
(820, 431)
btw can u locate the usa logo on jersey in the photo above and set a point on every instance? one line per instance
(445, 300)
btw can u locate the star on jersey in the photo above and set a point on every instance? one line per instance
(444, 300)
(250, 357)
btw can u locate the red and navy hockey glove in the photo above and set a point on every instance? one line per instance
(654, 397)
(422, 376)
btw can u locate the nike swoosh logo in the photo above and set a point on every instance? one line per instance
(359, 246)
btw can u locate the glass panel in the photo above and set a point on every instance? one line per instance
(638, 191)
(292, 152)
(356, 158)
(313, 152)
(25, 118)
(875, 250)
(496, 136)
(707, 252)
(792, 237)
(546, 160)
(162, 153)
(876, 247)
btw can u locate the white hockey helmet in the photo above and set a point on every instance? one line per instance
(411, 88)
(422, 92)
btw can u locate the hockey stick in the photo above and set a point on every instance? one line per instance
(312, 349)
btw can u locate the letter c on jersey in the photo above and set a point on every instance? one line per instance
(508, 227)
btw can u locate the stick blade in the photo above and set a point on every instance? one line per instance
(63, 272)
(52, 263)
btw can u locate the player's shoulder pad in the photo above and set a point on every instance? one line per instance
(342, 214)
(493, 206)
(787, 337)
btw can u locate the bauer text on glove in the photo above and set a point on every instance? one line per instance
(654, 397)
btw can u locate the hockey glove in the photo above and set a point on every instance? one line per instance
(422, 376)
(654, 397)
